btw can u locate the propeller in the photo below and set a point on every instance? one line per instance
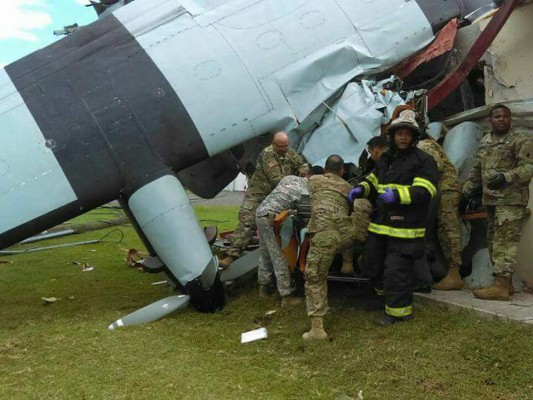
(241, 266)
(164, 307)
(152, 312)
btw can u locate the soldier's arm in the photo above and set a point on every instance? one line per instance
(433, 152)
(272, 168)
(473, 183)
(523, 171)
(300, 165)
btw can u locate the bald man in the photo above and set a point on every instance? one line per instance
(275, 162)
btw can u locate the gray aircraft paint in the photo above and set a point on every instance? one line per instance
(260, 65)
(363, 108)
(461, 144)
(164, 213)
(34, 184)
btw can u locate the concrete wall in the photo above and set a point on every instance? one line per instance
(509, 71)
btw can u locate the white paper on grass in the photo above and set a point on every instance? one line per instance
(254, 335)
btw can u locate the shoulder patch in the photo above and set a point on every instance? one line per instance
(272, 164)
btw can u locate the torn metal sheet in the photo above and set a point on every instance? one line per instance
(442, 43)
(363, 108)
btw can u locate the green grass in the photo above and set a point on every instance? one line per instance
(64, 350)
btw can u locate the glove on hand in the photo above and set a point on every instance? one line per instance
(388, 197)
(497, 182)
(355, 193)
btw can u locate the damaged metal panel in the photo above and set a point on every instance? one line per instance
(363, 108)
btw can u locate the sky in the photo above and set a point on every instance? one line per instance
(28, 25)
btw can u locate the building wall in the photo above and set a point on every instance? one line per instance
(509, 72)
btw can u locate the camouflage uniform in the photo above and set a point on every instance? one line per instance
(269, 170)
(510, 156)
(449, 220)
(285, 196)
(332, 231)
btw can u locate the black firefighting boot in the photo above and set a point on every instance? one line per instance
(452, 281)
(388, 320)
(317, 330)
(501, 290)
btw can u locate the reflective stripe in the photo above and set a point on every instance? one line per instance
(402, 233)
(426, 185)
(381, 188)
(399, 312)
(366, 187)
(405, 196)
(379, 292)
(372, 178)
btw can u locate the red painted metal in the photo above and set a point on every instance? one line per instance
(459, 74)
(442, 43)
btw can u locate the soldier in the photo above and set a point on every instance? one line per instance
(274, 162)
(502, 170)
(401, 186)
(376, 147)
(331, 231)
(448, 217)
(286, 196)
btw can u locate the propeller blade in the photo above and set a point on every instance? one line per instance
(152, 312)
(241, 266)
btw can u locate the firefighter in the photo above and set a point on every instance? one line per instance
(401, 187)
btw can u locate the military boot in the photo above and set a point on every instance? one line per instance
(317, 329)
(264, 291)
(226, 261)
(501, 290)
(452, 281)
(289, 301)
(347, 268)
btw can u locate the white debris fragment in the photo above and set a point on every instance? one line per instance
(49, 300)
(87, 268)
(159, 283)
(254, 335)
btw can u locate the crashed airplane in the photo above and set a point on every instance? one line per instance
(161, 94)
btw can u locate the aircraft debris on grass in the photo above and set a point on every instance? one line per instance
(158, 95)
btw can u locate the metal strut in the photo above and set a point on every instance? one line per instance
(482, 43)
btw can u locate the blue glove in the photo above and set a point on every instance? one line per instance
(355, 193)
(388, 197)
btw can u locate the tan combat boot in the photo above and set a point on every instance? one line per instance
(289, 301)
(347, 268)
(317, 329)
(264, 291)
(452, 281)
(501, 290)
(226, 261)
